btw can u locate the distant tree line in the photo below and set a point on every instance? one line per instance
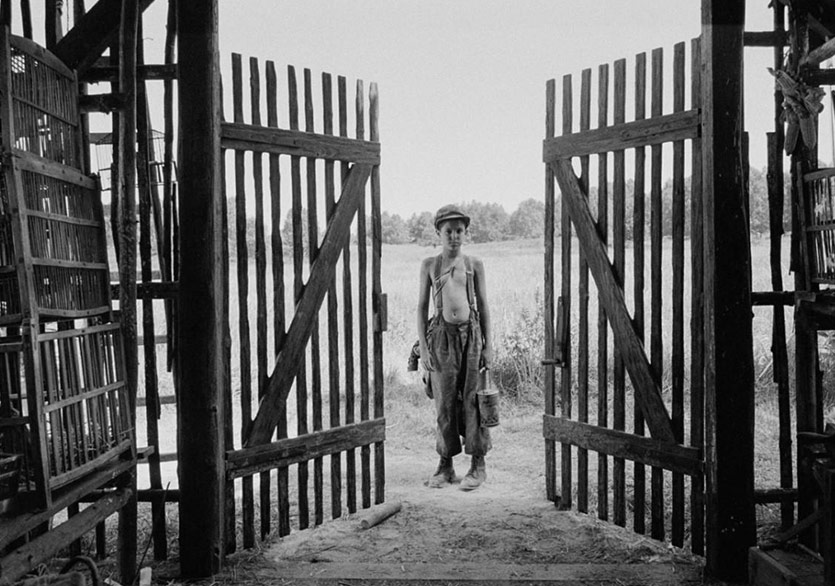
(491, 223)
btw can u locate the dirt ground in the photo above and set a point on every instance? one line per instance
(506, 531)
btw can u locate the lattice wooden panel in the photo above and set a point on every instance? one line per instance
(819, 220)
(9, 292)
(45, 106)
(84, 400)
(71, 402)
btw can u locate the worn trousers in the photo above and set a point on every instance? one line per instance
(456, 352)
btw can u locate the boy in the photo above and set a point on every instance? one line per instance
(454, 346)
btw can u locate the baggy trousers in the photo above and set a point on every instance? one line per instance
(456, 351)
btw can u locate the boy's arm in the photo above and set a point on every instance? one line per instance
(480, 283)
(424, 289)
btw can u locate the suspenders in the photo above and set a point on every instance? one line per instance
(437, 286)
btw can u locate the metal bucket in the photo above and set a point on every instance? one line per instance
(488, 407)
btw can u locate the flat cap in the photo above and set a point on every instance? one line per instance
(450, 212)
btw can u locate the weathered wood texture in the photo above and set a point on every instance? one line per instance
(313, 289)
(550, 303)
(627, 212)
(729, 368)
(27, 557)
(200, 356)
(75, 432)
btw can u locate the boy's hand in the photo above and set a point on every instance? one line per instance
(486, 358)
(426, 360)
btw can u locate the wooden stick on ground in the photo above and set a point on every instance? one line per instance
(378, 514)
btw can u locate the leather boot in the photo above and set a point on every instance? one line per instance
(444, 475)
(476, 476)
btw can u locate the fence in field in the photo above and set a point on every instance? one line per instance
(638, 289)
(305, 300)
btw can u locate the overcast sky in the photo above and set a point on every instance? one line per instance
(462, 82)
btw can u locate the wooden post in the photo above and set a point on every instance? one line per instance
(200, 364)
(729, 447)
(125, 177)
(52, 22)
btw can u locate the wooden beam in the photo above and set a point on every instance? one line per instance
(785, 298)
(647, 389)
(124, 179)
(152, 290)
(104, 103)
(775, 495)
(14, 527)
(106, 73)
(729, 381)
(297, 143)
(656, 130)
(27, 557)
(818, 76)
(774, 38)
(286, 452)
(820, 54)
(620, 444)
(87, 40)
(200, 347)
(321, 274)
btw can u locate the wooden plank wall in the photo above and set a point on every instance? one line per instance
(288, 153)
(642, 177)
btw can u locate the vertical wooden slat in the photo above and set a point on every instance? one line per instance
(377, 295)
(618, 236)
(75, 546)
(230, 518)
(25, 17)
(126, 178)
(347, 313)
(776, 203)
(550, 212)
(697, 350)
(260, 276)
(362, 261)
(602, 322)
(565, 295)
(638, 257)
(168, 189)
(53, 392)
(583, 311)
(277, 248)
(657, 277)
(152, 405)
(241, 179)
(333, 316)
(677, 366)
(315, 359)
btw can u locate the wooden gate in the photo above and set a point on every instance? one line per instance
(314, 368)
(588, 405)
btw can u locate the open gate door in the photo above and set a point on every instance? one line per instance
(587, 408)
(322, 293)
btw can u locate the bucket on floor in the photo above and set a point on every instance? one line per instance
(488, 402)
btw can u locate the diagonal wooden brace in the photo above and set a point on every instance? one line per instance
(321, 274)
(647, 391)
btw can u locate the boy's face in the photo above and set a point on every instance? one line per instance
(452, 233)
